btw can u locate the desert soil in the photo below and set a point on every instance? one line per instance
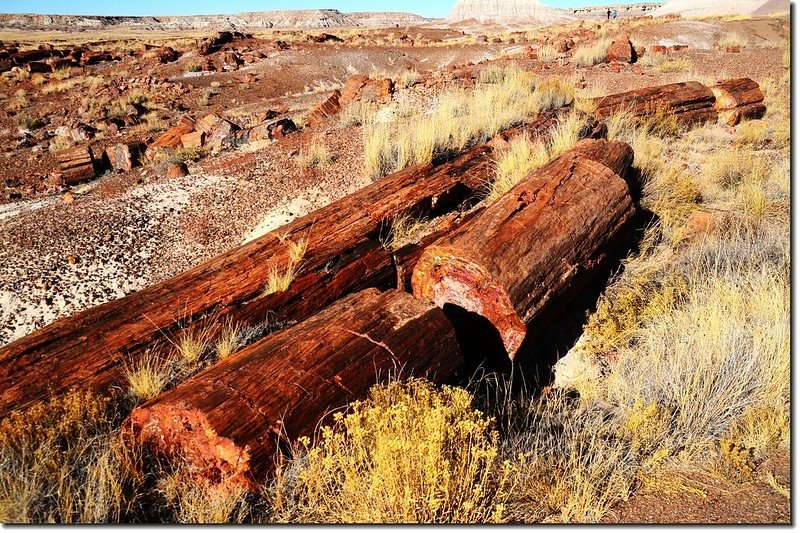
(127, 230)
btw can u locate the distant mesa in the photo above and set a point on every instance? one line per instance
(709, 8)
(302, 19)
(529, 11)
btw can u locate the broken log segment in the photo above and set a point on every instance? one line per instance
(691, 103)
(76, 164)
(534, 242)
(344, 254)
(227, 421)
(738, 99)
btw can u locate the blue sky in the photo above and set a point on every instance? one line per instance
(430, 8)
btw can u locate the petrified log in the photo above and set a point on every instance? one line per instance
(325, 109)
(738, 99)
(172, 137)
(124, 156)
(194, 139)
(38, 67)
(621, 51)
(344, 254)
(691, 102)
(76, 164)
(227, 420)
(534, 242)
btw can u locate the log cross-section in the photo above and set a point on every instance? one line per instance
(227, 421)
(535, 242)
(344, 254)
(738, 99)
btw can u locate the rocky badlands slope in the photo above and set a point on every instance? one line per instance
(507, 11)
(707, 8)
(309, 18)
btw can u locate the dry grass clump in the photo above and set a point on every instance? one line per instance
(148, 376)
(408, 78)
(229, 341)
(149, 123)
(411, 453)
(279, 280)
(461, 119)
(66, 83)
(589, 56)
(61, 73)
(732, 40)
(547, 53)
(723, 350)
(357, 114)
(576, 465)
(403, 229)
(553, 93)
(315, 154)
(25, 121)
(674, 65)
(525, 155)
(62, 462)
(192, 500)
(192, 344)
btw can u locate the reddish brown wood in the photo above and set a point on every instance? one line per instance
(535, 242)
(172, 137)
(226, 421)
(691, 102)
(739, 99)
(325, 109)
(344, 255)
(745, 112)
(76, 164)
(736, 92)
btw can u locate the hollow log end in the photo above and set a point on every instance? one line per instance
(181, 433)
(443, 277)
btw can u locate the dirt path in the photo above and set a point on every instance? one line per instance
(697, 498)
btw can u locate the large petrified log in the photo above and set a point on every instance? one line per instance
(534, 242)
(691, 103)
(227, 421)
(344, 254)
(738, 99)
(76, 164)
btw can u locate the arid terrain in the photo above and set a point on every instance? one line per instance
(650, 373)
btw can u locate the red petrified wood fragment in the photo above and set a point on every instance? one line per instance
(690, 102)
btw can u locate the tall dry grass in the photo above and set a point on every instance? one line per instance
(525, 155)
(63, 462)
(501, 99)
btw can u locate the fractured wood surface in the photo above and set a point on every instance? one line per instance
(739, 99)
(535, 242)
(344, 254)
(227, 421)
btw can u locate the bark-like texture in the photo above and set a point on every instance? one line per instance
(535, 242)
(344, 255)
(227, 421)
(692, 103)
(739, 99)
